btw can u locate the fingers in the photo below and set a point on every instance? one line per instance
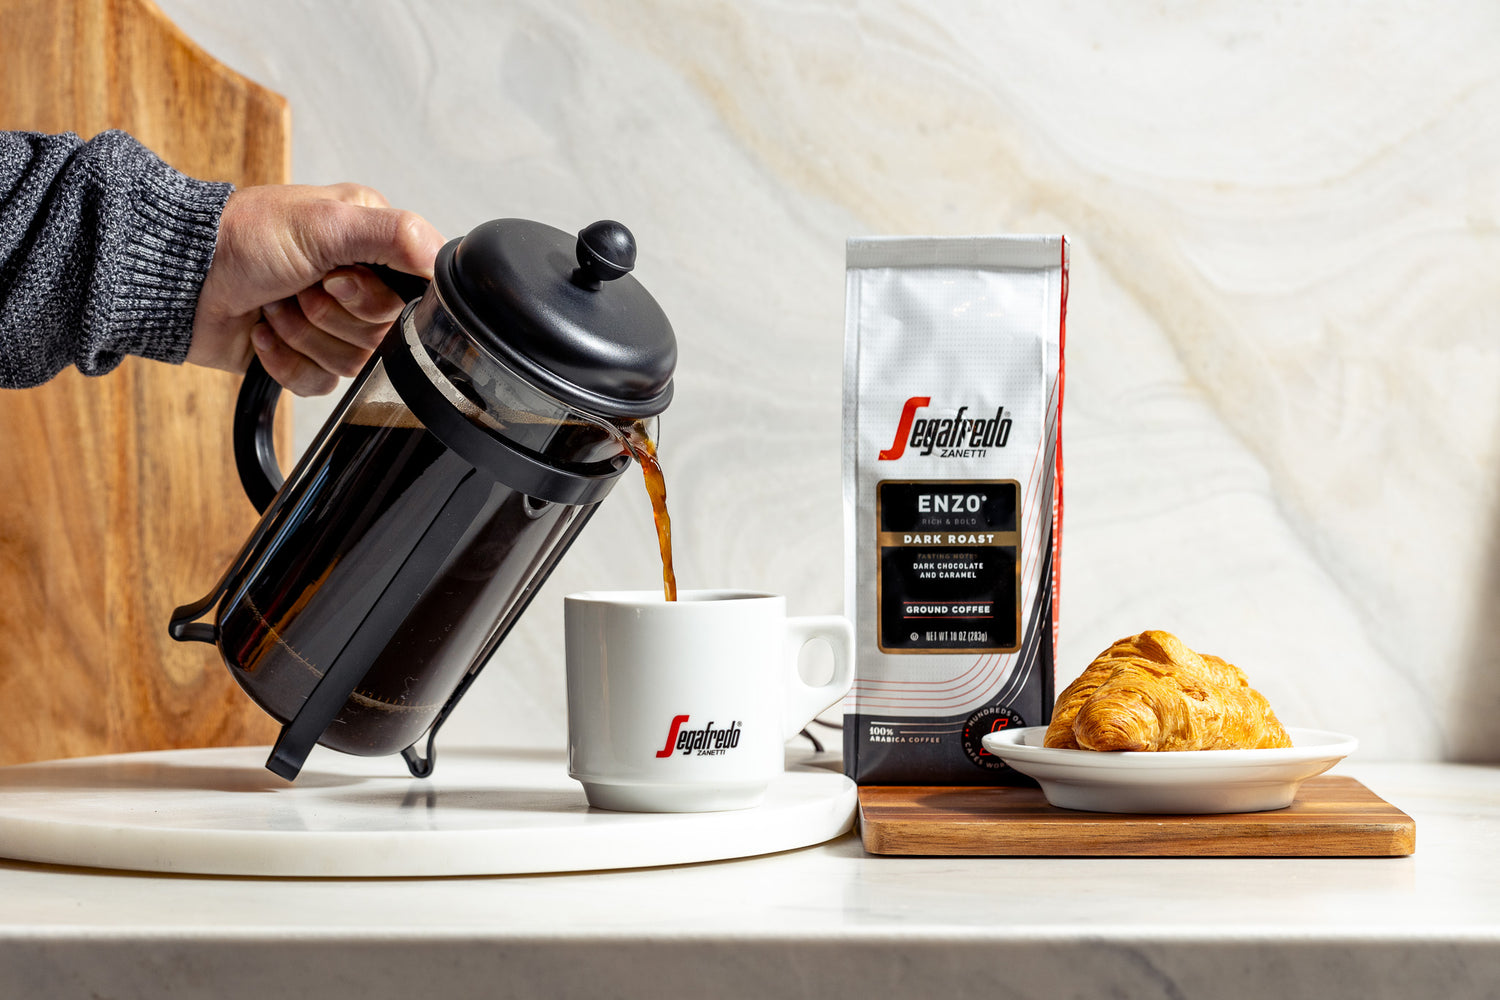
(353, 305)
(340, 233)
(364, 295)
(303, 341)
(329, 329)
(292, 369)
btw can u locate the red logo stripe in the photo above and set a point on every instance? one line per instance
(903, 429)
(677, 721)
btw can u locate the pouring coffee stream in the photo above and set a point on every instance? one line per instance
(643, 450)
(458, 468)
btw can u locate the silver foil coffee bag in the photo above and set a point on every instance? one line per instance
(952, 461)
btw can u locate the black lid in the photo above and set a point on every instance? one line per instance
(564, 313)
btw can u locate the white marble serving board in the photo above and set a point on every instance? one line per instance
(483, 812)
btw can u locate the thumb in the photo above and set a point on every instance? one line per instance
(361, 234)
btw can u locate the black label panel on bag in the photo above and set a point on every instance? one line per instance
(949, 570)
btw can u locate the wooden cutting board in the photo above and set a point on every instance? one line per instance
(1332, 816)
(118, 495)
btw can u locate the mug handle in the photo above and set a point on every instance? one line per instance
(804, 701)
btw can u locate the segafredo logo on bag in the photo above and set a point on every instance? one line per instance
(958, 436)
(705, 742)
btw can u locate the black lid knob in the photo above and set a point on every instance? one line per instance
(605, 251)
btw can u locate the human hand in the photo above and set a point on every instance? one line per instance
(285, 284)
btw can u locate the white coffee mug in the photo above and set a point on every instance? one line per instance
(686, 706)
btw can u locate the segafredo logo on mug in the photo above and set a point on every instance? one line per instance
(705, 742)
(686, 705)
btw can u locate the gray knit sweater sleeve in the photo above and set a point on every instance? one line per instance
(103, 249)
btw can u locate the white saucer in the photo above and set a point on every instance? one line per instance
(1191, 781)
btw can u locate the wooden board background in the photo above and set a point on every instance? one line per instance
(118, 495)
(1332, 816)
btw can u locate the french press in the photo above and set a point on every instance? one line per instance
(450, 479)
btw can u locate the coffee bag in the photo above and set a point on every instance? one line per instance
(953, 385)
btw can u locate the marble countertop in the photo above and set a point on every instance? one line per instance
(828, 920)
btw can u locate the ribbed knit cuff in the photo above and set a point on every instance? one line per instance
(168, 247)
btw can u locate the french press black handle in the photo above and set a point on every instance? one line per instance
(255, 408)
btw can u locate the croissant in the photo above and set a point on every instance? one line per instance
(1151, 692)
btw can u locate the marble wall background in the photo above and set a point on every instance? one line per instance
(1283, 412)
